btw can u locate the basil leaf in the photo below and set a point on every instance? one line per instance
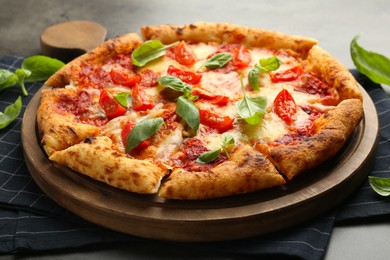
(227, 142)
(148, 51)
(252, 109)
(209, 156)
(41, 67)
(142, 131)
(7, 79)
(124, 99)
(218, 60)
(374, 65)
(269, 64)
(189, 112)
(11, 112)
(174, 83)
(380, 185)
(253, 77)
(22, 74)
(264, 65)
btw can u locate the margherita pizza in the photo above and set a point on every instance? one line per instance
(199, 111)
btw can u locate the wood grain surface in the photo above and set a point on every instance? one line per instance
(226, 218)
(68, 40)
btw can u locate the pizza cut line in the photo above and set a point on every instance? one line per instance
(199, 111)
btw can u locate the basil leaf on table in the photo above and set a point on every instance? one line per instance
(11, 112)
(142, 131)
(7, 79)
(380, 185)
(148, 51)
(218, 60)
(22, 74)
(374, 65)
(189, 112)
(41, 67)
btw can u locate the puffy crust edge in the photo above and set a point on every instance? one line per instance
(97, 159)
(334, 73)
(246, 171)
(59, 132)
(333, 130)
(118, 45)
(228, 33)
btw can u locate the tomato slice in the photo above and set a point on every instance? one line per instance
(290, 74)
(110, 106)
(186, 76)
(284, 106)
(184, 55)
(126, 130)
(124, 77)
(241, 57)
(141, 101)
(220, 123)
(218, 100)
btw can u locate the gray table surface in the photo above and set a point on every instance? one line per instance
(333, 23)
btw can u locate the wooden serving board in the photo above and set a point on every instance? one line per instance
(226, 218)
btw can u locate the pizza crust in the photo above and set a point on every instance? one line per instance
(59, 131)
(246, 171)
(333, 130)
(228, 33)
(96, 158)
(121, 44)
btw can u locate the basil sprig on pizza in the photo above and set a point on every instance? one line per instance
(199, 111)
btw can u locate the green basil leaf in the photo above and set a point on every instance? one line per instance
(269, 64)
(41, 67)
(227, 142)
(253, 77)
(252, 109)
(189, 112)
(174, 83)
(142, 131)
(124, 99)
(148, 51)
(374, 65)
(7, 79)
(22, 74)
(11, 112)
(209, 156)
(218, 60)
(380, 185)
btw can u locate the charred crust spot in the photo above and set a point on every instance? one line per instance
(89, 140)
(192, 26)
(179, 31)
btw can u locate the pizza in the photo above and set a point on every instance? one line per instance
(199, 111)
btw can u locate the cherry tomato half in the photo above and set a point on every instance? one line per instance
(141, 101)
(184, 55)
(110, 106)
(290, 74)
(186, 76)
(218, 100)
(220, 123)
(124, 77)
(284, 106)
(241, 57)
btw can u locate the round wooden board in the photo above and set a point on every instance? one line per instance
(226, 218)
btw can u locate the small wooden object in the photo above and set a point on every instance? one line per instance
(68, 40)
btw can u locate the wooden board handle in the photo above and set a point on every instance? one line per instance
(68, 40)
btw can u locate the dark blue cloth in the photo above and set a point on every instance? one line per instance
(31, 221)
